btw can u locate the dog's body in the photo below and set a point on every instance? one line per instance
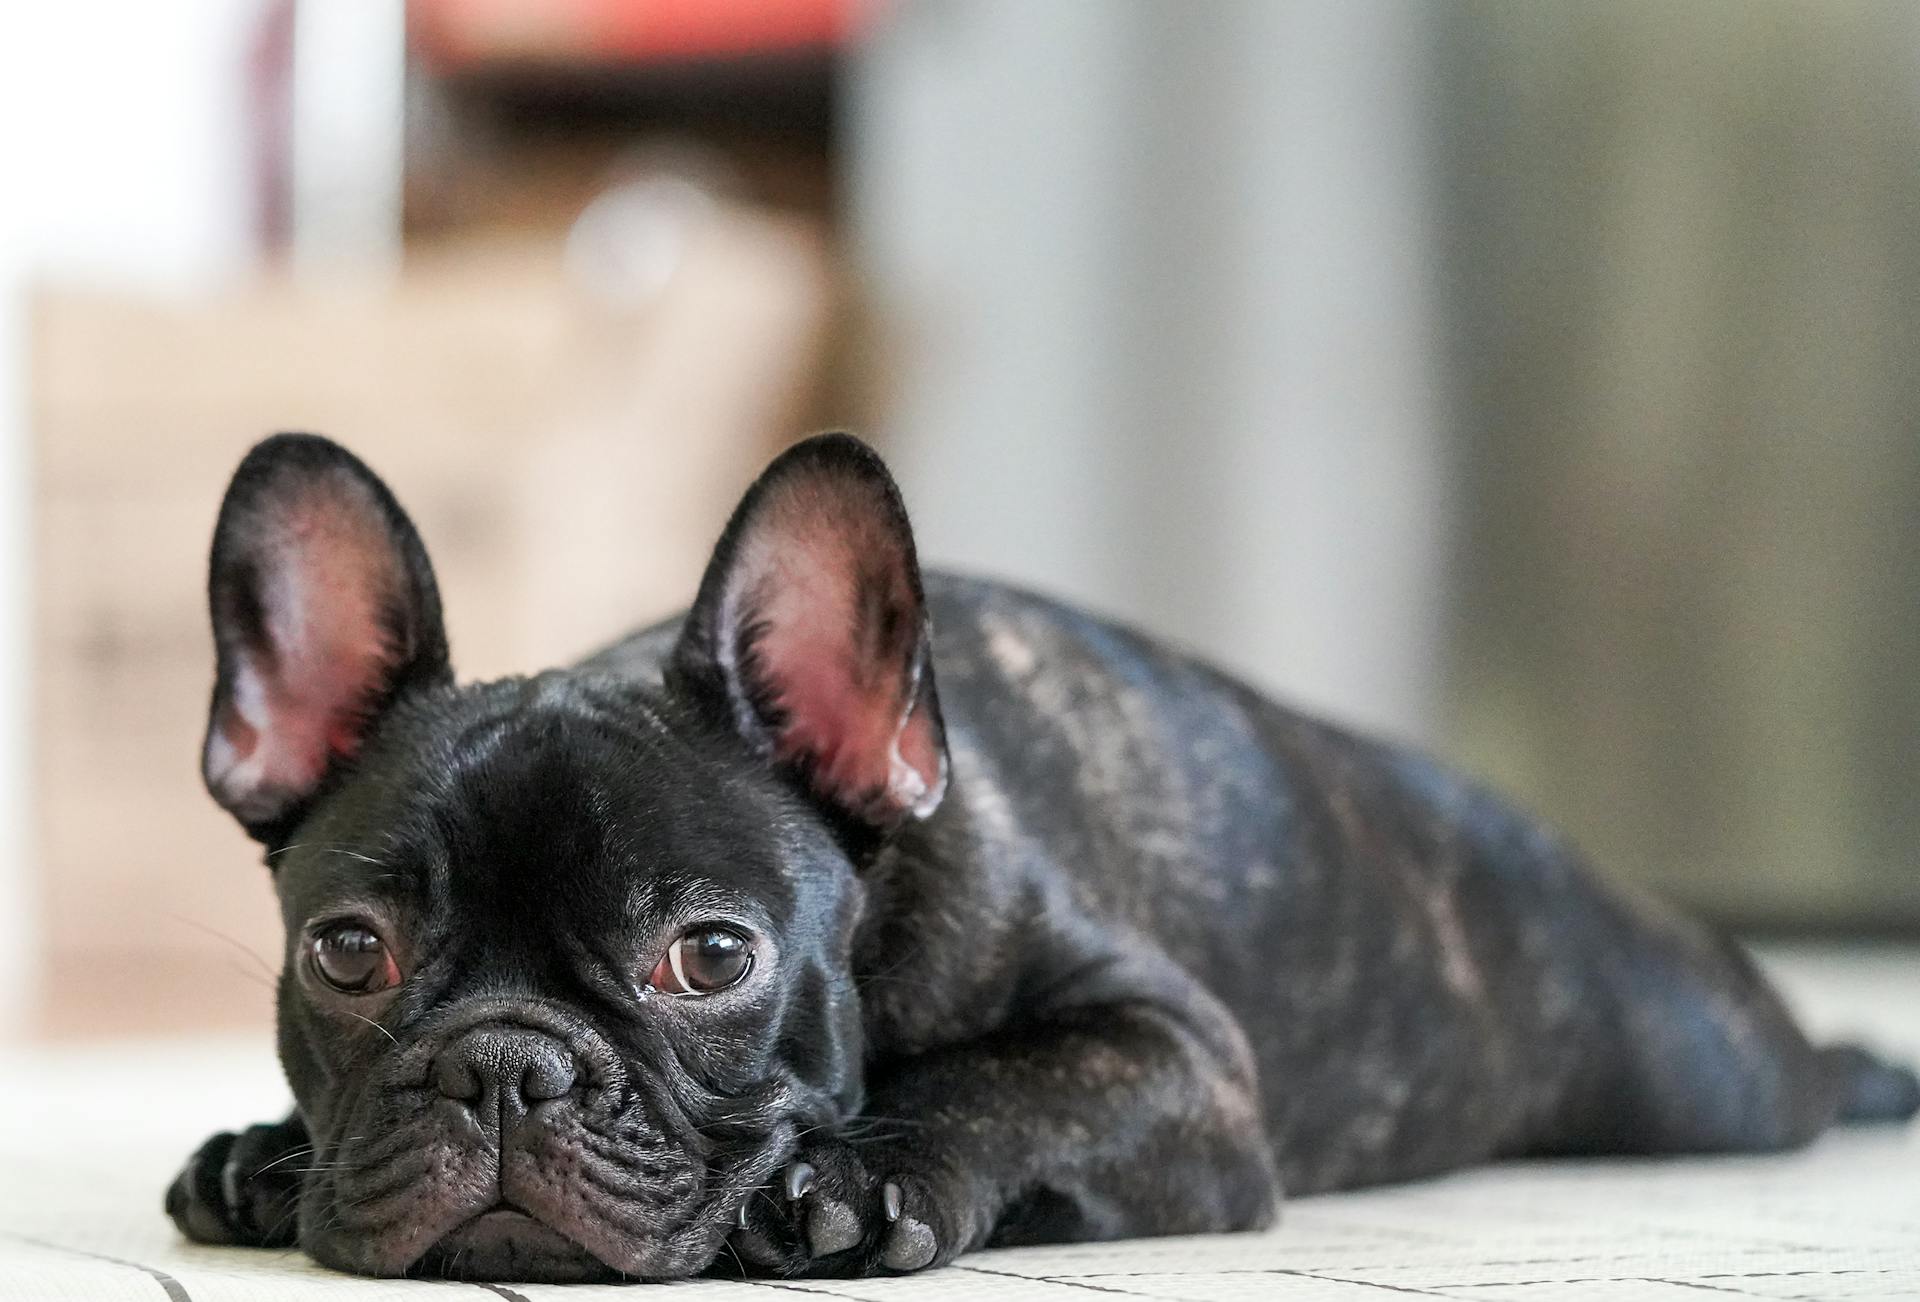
(1088, 941)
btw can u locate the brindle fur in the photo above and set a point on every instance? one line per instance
(1424, 977)
(1165, 949)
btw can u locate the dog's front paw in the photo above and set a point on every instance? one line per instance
(242, 1188)
(846, 1211)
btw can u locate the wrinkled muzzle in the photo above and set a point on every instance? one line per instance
(511, 1141)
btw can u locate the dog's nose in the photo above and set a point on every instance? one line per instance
(503, 1071)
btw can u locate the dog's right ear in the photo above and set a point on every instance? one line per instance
(811, 639)
(324, 612)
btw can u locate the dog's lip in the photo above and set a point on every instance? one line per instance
(503, 1216)
(504, 1238)
(506, 1219)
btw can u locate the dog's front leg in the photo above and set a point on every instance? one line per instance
(243, 1187)
(1103, 1121)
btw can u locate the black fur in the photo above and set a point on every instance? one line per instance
(1164, 949)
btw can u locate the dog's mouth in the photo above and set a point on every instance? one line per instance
(600, 1185)
(505, 1242)
(541, 1213)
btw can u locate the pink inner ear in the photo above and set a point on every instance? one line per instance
(821, 582)
(327, 570)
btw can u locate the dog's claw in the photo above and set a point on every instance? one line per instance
(909, 1245)
(832, 1227)
(749, 1243)
(828, 1213)
(799, 1181)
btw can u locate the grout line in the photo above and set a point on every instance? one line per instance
(797, 1288)
(173, 1288)
(1066, 1281)
(1714, 1288)
(1696, 1282)
(1210, 1274)
(1358, 1283)
(1803, 1274)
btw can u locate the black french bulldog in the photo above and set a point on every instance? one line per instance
(741, 943)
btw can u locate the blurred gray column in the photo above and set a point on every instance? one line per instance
(1154, 278)
(348, 132)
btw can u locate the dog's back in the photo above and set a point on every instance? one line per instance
(1426, 977)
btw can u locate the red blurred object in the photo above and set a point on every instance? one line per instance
(461, 35)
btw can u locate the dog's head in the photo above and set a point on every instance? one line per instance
(567, 961)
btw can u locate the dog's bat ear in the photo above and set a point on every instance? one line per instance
(324, 611)
(811, 635)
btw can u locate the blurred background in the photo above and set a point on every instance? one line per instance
(1533, 383)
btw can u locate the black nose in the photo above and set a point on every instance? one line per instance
(503, 1071)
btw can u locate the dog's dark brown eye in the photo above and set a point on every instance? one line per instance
(702, 961)
(353, 960)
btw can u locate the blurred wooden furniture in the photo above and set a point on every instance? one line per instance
(568, 461)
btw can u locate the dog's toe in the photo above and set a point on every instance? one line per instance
(827, 1213)
(196, 1201)
(909, 1245)
(831, 1223)
(239, 1188)
(833, 1227)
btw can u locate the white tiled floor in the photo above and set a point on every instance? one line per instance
(89, 1136)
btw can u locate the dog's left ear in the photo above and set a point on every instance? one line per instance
(324, 613)
(811, 634)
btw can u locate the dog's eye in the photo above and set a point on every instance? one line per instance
(353, 960)
(702, 961)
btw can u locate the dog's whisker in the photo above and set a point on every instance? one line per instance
(326, 848)
(235, 942)
(288, 1156)
(375, 1025)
